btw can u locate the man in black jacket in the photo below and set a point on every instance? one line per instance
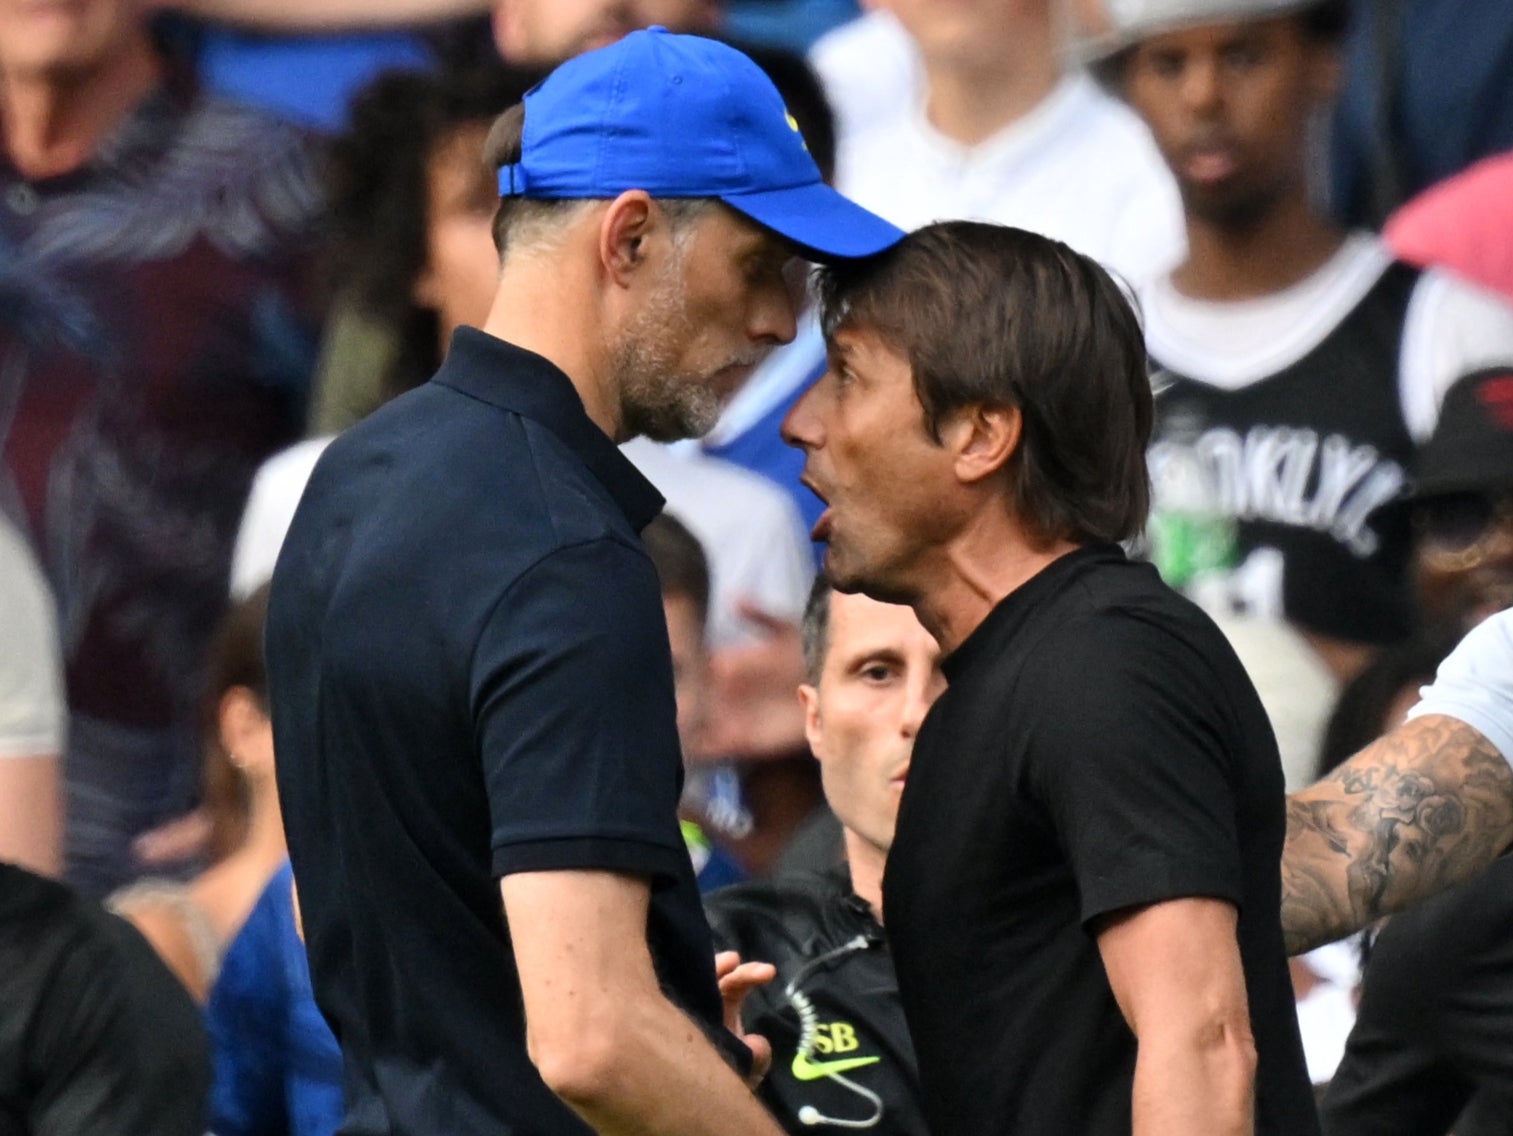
(841, 1051)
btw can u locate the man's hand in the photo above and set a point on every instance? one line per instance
(1411, 814)
(737, 980)
(599, 1029)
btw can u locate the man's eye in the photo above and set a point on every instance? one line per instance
(877, 672)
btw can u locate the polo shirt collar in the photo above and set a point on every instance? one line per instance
(491, 370)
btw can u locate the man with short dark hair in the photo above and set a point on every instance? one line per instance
(468, 663)
(841, 1050)
(1081, 893)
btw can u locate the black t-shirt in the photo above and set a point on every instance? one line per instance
(96, 1034)
(1435, 1027)
(835, 978)
(470, 676)
(1098, 748)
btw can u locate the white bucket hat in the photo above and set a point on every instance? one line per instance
(1130, 21)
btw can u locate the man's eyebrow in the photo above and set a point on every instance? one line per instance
(874, 655)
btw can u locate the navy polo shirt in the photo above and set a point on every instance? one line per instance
(470, 676)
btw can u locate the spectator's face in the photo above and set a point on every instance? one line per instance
(717, 301)
(964, 31)
(690, 671)
(891, 495)
(462, 267)
(880, 675)
(62, 37)
(1463, 557)
(549, 31)
(1230, 107)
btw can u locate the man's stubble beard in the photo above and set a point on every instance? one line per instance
(656, 400)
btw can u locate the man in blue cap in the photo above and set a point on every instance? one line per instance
(469, 671)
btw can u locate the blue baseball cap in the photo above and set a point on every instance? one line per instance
(683, 116)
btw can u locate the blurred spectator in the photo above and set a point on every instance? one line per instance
(95, 1035)
(1462, 505)
(683, 574)
(1464, 223)
(278, 1068)
(758, 549)
(870, 69)
(1297, 690)
(31, 712)
(1426, 93)
(537, 32)
(996, 130)
(1432, 1048)
(1297, 366)
(790, 24)
(155, 345)
(412, 257)
(190, 925)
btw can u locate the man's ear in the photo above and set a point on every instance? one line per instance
(627, 224)
(983, 439)
(809, 698)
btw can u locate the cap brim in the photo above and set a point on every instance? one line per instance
(823, 223)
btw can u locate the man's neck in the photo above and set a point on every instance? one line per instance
(53, 123)
(971, 102)
(531, 311)
(866, 862)
(1286, 246)
(975, 572)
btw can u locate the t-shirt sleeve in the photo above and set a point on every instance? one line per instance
(572, 695)
(1132, 763)
(1475, 683)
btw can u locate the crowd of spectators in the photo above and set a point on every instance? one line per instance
(233, 228)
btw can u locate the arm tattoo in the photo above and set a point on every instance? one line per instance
(1411, 814)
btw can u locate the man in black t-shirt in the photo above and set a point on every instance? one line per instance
(1082, 891)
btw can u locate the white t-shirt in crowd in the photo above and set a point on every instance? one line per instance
(752, 535)
(276, 490)
(869, 68)
(32, 708)
(1475, 683)
(1080, 167)
(1451, 329)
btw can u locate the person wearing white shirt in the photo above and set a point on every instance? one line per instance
(995, 128)
(31, 711)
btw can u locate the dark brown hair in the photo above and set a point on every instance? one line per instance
(236, 659)
(993, 316)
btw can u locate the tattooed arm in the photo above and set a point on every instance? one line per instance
(1409, 815)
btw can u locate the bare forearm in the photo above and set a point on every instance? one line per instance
(31, 813)
(667, 1080)
(1408, 816)
(1196, 1087)
(330, 15)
